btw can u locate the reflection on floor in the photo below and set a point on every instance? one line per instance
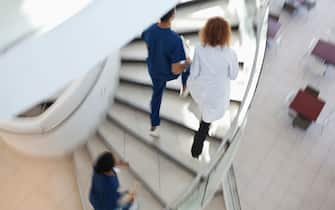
(28, 183)
(279, 167)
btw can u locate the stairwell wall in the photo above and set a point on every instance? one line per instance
(61, 138)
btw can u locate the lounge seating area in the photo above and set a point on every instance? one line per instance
(280, 166)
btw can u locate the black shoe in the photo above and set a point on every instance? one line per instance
(198, 144)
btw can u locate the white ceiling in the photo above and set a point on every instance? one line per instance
(19, 18)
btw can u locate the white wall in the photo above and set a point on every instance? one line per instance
(39, 66)
(55, 140)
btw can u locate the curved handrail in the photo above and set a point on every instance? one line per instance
(233, 136)
(40, 124)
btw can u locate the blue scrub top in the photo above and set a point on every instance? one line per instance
(104, 193)
(165, 47)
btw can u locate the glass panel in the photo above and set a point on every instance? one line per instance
(230, 192)
(257, 67)
(194, 201)
(215, 177)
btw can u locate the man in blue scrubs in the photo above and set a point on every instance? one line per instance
(166, 61)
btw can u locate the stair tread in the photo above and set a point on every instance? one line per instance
(155, 169)
(185, 23)
(138, 123)
(138, 73)
(174, 107)
(137, 50)
(83, 168)
(127, 180)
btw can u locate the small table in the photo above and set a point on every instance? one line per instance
(292, 5)
(325, 50)
(307, 105)
(274, 17)
(273, 28)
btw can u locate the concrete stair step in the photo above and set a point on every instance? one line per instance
(137, 72)
(154, 169)
(127, 179)
(137, 50)
(137, 123)
(174, 108)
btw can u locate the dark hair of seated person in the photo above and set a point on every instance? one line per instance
(168, 15)
(105, 163)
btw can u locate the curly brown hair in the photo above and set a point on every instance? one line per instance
(216, 32)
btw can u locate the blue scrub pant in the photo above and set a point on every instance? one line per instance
(184, 76)
(158, 87)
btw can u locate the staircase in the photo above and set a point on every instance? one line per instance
(153, 165)
(162, 167)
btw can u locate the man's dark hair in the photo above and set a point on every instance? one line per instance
(104, 163)
(168, 15)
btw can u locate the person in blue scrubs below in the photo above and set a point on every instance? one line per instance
(166, 61)
(104, 194)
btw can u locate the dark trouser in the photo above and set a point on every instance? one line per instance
(158, 87)
(199, 138)
(126, 207)
(184, 76)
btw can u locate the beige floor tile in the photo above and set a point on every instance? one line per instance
(34, 183)
(330, 199)
(61, 183)
(37, 201)
(72, 202)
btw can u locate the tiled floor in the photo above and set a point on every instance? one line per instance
(28, 183)
(279, 167)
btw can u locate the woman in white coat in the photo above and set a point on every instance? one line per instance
(214, 65)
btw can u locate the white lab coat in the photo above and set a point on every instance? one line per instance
(209, 81)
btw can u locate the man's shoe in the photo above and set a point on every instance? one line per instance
(197, 146)
(184, 92)
(154, 132)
